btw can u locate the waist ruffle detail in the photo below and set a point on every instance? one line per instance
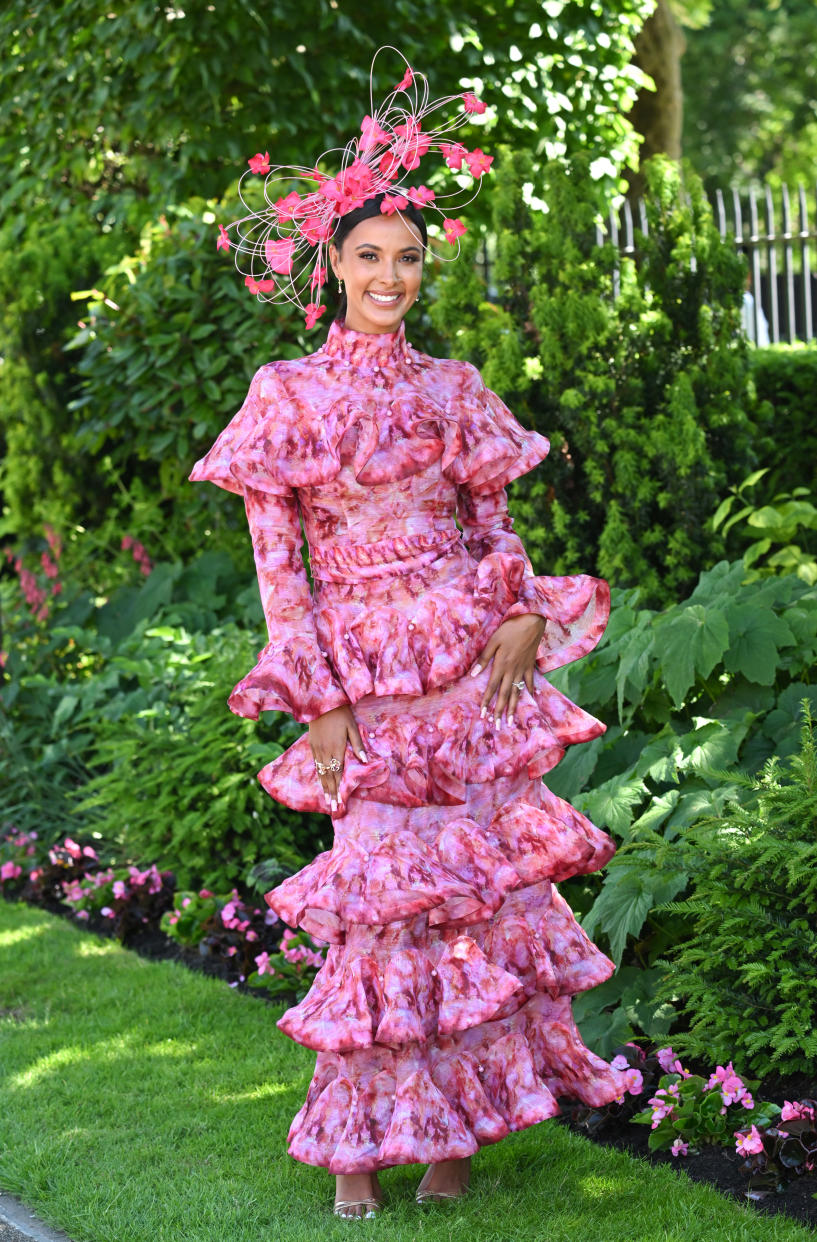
(434, 639)
(481, 1084)
(461, 876)
(402, 554)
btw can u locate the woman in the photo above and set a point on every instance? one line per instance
(442, 1017)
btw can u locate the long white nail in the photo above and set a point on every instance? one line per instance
(334, 805)
(362, 754)
(483, 712)
(476, 670)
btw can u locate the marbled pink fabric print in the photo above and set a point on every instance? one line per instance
(441, 1018)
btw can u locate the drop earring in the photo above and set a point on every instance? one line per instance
(340, 285)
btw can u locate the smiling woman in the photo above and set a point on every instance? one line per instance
(442, 1016)
(379, 258)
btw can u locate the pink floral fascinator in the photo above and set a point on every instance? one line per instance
(281, 248)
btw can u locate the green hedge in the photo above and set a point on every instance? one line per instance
(786, 378)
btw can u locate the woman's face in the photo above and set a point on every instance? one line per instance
(381, 264)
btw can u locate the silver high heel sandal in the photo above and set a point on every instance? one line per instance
(433, 1196)
(373, 1205)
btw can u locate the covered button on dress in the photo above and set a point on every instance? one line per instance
(442, 1016)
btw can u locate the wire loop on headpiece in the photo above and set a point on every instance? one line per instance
(281, 249)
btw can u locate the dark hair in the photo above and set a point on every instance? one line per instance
(369, 211)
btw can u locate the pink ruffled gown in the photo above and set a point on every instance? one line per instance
(442, 1017)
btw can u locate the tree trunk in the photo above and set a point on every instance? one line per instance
(657, 115)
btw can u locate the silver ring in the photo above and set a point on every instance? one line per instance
(520, 685)
(332, 766)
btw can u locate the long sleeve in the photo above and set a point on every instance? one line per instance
(487, 527)
(575, 608)
(292, 673)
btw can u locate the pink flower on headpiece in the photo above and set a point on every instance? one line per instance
(408, 78)
(415, 144)
(287, 208)
(421, 195)
(389, 166)
(316, 229)
(259, 163)
(454, 153)
(478, 162)
(393, 203)
(223, 242)
(453, 230)
(313, 314)
(279, 255)
(472, 104)
(373, 133)
(318, 278)
(259, 286)
(318, 176)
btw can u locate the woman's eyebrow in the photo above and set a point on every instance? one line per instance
(368, 246)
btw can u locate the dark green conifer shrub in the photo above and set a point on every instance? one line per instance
(745, 975)
(644, 396)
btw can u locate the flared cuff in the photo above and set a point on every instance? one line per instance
(292, 676)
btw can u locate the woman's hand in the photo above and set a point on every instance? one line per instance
(327, 737)
(512, 647)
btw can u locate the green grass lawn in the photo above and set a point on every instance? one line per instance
(142, 1103)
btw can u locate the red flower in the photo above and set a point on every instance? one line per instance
(259, 286)
(316, 229)
(392, 203)
(287, 208)
(415, 144)
(454, 153)
(223, 242)
(259, 163)
(408, 78)
(318, 278)
(421, 195)
(373, 134)
(472, 104)
(279, 255)
(453, 230)
(313, 314)
(478, 162)
(389, 166)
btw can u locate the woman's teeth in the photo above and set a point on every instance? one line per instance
(385, 299)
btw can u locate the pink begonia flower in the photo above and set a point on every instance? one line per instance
(231, 952)
(10, 871)
(223, 242)
(393, 203)
(373, 134)
(406, 81)
(263, 963)
(750, 1144)
(107, 912)
(454, 153)
(205, 892)
(288, 206)
(228, 912)
(620, 1062)
(173, 920)
(34, 875)
(472, 104)
(270, 918)
(89, 852)
(259, 163)
(72, 848)
(251, 935)
(634, 1081)
(120, 889)
(154, 880)
(279, 255)
(420, 195)
(313, 314)
(478, 162)
(186, 902)
(127, 543)
(453, 230)
(794, 1110)
(259, 286)
(82, 914)
(668, 1061)
(679, 1147)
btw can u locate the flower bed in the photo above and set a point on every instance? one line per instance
(719, 1126)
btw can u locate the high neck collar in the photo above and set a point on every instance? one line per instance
(367, 349)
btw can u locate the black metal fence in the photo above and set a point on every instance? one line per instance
(779, 240)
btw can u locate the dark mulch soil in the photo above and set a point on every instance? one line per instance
(718, 1166)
